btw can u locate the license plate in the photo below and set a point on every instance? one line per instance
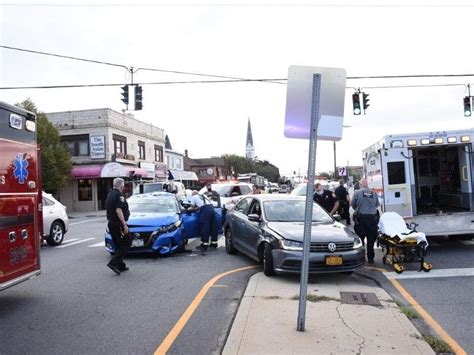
(333, 260)
(138, 243)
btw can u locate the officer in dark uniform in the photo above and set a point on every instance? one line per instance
(325, 199)
(342, 196)
(365, 202)
(117, 216)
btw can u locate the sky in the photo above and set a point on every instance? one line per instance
(245, 39)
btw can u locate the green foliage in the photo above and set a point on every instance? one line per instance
(242, 165)
(56, 162)
(438, 345)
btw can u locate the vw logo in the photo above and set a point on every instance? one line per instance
(136, 235)
(332, 247)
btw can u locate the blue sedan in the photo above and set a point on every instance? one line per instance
(158, 224)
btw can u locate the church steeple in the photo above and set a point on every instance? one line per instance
(249, 149)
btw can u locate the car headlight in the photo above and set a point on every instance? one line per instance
(166, 229)
(357, 243)
(290, 245)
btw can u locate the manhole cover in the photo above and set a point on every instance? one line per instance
(360, 298)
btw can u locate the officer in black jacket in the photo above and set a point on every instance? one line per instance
(117, 216)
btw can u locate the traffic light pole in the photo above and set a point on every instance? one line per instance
(308, 216)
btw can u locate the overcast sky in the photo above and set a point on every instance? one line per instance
(248, 41)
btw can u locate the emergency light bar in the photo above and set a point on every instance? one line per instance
(411, 142)
(452, 139)
(425, 141)
(438, 141)
(465, 139)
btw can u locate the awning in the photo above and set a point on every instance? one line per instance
(86, 171)
(182, 175)
(109, 170)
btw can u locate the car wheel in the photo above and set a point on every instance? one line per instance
(56, 234)
(229, 246)
(268, 260)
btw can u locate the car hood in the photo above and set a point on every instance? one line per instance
(152, 219)
(334, 232)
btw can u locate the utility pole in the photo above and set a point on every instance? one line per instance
(334, 145)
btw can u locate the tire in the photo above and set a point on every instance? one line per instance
(56, 234)
(229, 246)
(268, 260)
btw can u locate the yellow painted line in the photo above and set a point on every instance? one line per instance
(458, 350)
(178, 327)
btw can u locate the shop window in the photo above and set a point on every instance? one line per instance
(158, 153)
(141, 150)
(396, 172)
(77, 145)
(85, 189)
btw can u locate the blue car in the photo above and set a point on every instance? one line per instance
(159, 224)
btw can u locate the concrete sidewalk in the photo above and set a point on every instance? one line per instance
(77, 215)
(267, 316)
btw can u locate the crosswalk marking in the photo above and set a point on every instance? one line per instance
(100, 244)
(74, 243)
(431, 274)
(69, 241)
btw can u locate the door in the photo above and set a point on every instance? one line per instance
(236, 220)
(251, 230)
(465, 173)
(396, 181)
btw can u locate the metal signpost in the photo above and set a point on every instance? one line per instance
(314, 95)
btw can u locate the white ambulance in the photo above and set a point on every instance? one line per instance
(427, 178)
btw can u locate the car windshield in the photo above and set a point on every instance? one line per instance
(221, 189)
(152, 188)
(155, 204)
(293, 211)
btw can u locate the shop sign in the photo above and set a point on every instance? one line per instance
(97, 147)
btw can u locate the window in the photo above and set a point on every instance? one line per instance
(245, 189)
(168, 160)
(178, 163)
(242, 206)
(77, 145)
(85, 189)
(158, 153)
(396, 172)
(141, 150)
(120, 144)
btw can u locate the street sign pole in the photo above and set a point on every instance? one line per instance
(308, 217)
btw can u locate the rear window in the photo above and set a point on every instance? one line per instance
(396, 172)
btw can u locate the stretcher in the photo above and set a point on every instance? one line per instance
(400, 244)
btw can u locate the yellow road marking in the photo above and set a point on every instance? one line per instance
(178, 327)
(458, 350)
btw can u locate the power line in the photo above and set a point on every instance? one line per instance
(213, 82)
(242, 5)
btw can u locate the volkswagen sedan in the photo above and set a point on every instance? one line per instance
(269, 229)
(159, 225)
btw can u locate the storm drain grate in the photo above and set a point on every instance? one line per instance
(368, 298)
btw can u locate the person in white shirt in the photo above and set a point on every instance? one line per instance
(207, 220)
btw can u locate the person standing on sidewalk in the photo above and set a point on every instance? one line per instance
(365, 202)
(207, 221)
(342, 196)
(117, 216)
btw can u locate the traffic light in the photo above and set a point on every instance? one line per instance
(125, 94)
(365, 101)
(138, 98)
(467, 106)
(356, 103)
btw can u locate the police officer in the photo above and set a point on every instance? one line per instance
(365, 202)
(213, 195)
(117, 216)
(207, 221)
(325, 199)
(343, 197)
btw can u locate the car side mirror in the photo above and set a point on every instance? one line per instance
(254, 217)
(337, 217)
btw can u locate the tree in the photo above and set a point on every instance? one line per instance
(242, 165)
(56, 162)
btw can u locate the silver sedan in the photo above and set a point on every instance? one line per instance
(269, 229)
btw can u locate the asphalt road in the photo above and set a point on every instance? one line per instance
(448, 298)
(79, 306)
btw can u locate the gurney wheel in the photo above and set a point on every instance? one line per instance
(398, 268)
(426, 267)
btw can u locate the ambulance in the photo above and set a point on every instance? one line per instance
(21, 221)
(427, 178)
